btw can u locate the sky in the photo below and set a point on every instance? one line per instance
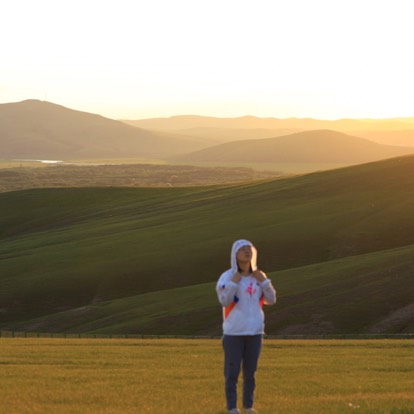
(136, 59)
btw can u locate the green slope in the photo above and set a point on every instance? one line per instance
(369, 293)
(66, 248)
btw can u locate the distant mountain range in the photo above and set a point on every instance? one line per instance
(35, 129)
(182, 122)
(42, 130)
(391, 131)
(319, 146)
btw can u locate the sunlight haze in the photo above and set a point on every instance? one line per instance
(141, 59)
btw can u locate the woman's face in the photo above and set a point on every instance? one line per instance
(244, 254)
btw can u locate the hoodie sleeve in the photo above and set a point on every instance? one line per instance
(226, 290)
(269, 292)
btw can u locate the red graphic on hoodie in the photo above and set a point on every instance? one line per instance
(251, 290)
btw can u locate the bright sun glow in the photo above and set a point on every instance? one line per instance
(139, 59)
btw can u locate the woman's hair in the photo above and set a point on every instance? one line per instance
(240, 270)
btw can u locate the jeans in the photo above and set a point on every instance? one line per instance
(241, 352)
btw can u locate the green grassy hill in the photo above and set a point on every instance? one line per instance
(337, 244)
(370, 293)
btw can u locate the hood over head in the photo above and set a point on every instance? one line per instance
(236, 246)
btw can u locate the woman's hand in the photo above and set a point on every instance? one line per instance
(259, 275)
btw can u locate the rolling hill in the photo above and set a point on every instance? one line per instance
(41, 130)
(338, 245)
(222, 135)
(388, 131)
(318, 146)
(323, 299)
(32, 129)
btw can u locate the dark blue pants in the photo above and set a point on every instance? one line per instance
(241, 352)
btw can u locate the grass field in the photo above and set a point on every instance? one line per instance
(285, 168)
(123, 175)
(39, 375)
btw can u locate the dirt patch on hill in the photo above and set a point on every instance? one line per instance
(316, 326)
(397, 321)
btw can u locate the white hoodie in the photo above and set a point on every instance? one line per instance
(242, 302)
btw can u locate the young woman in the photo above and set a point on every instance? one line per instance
(242, 290)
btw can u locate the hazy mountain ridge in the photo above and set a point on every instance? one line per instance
(222, 135)
(309, 146)
(35, 129)
(390, 131)
(181, 122)
(41, 130)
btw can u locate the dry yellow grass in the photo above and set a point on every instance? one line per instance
(39, 375)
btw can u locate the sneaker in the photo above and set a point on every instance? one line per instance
(234, 411)
(249, 411)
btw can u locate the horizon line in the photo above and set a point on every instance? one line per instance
(220, 117)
